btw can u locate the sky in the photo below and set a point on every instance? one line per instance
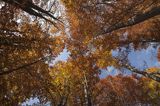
(33, 101)
(30, 101)
(141, 59)
(144, 58)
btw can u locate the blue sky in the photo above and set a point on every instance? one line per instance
(141, 59)
(63, 56)
(31, 101)
(144, 58)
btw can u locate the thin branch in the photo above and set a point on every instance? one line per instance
(21, 67)
(54, 3)
(135, 70)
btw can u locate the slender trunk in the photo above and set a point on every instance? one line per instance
(86, 92)
(63, 101)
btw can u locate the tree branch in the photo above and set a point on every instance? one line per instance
(143, 73)
(20, 67)
(133, 21)
(32, 9)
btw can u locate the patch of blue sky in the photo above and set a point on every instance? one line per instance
(144, 58)
(34, 102)
(141, 59)
(30, 102)
(110, 70)
(63, 56)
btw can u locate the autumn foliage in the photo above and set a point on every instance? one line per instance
(97, 34)
(127, 90)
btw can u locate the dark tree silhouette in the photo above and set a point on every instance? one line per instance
(29, 7)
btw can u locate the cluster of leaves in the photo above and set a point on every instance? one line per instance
(127, 90)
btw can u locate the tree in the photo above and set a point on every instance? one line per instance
(74, 81)
(29, 7)
(102, 27)
(26, 50)
(127, 90)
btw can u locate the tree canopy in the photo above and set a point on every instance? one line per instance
(97, 35)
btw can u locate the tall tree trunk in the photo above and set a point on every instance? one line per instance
(88, 101)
